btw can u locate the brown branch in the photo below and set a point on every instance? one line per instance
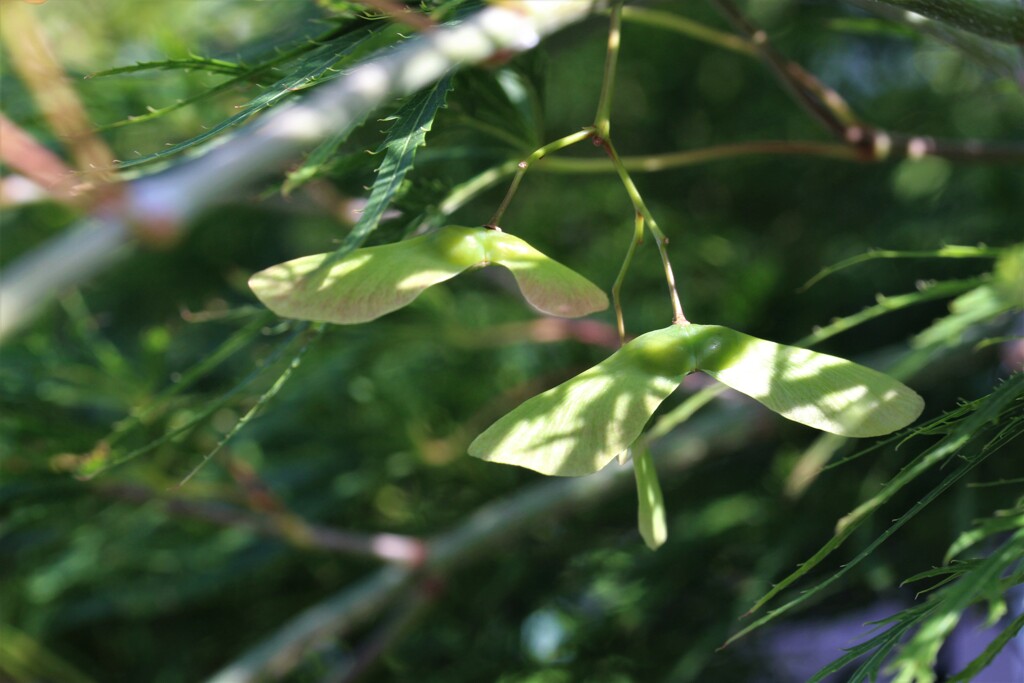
(878, 144)
(44, 77)
(830, 109)
(794, 79)
(881, 145)
(291, 528)
(385, 636)
(24, 154)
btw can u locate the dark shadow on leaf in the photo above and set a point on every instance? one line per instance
(579, 426)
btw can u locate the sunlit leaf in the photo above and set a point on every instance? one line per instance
(579, 426)
(549, 286)
(825, 392)
(368, 283)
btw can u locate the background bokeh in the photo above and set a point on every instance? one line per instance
(370, 432)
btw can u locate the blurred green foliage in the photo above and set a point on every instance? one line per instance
(370, 431)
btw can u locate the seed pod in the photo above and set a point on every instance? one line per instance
(371, 282)
(579, 426)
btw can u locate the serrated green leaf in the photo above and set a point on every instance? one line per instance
(955, 251)
(577, 427)
(412, 123)
(321, 65)
(546, 284)
(998, 19)
(983, 530)
(317, 160)
(981, 413)
(970, 672)
(916, 659)
(651, 505)
(825, 392)
(218, 66)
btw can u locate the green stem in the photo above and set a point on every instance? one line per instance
(523, 166)
(659, 237)
(464, 192)
(495, 132)
(638, 237)
(692, 29)
(602, 120)
(653, 163)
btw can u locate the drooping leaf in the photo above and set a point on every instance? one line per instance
(822, 391)
(368, 283)
(549, 286)
(577, 427)
(651, 505)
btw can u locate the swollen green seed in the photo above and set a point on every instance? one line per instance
(668, 352)
(459, 246)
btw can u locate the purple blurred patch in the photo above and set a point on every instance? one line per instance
(796, 651)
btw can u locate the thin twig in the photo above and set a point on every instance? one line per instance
(523, 166)
(660, 240)
(782, 68)
(638, 237)
(830, 109)
(602, 119)
(404, 550)
(652, 163)
(688, 27)
(883, 146)
(386, 635)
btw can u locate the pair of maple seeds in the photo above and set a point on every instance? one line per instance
(579, 426)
